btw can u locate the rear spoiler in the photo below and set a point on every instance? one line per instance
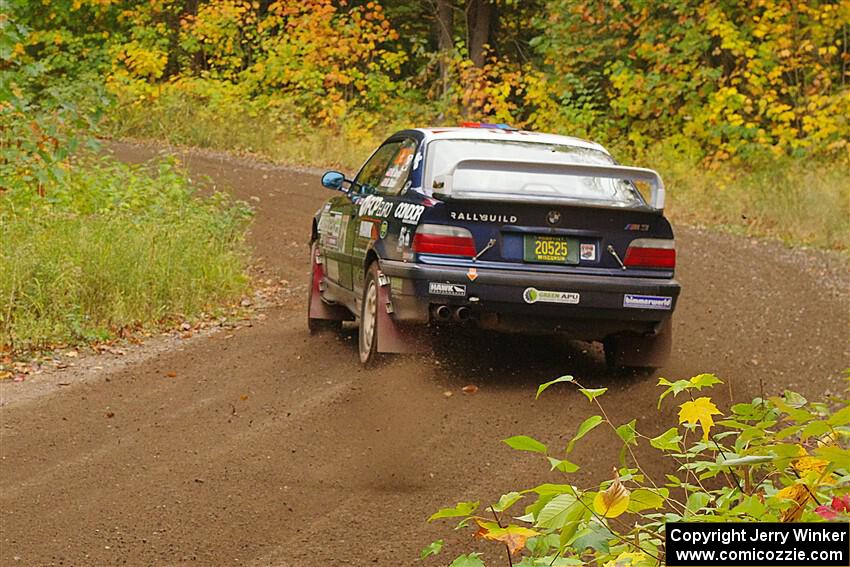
(443, 183)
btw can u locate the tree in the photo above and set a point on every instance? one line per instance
(479, 19)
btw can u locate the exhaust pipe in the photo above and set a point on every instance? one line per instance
(442, 313)
(462, 314)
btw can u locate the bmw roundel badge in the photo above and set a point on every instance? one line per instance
(554, 217)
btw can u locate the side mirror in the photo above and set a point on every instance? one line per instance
(333, 180)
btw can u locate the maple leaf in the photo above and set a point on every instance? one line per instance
(612, 501)
(699, 411)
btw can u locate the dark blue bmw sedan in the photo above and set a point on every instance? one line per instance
(495, 228)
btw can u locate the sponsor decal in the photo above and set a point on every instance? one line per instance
(533, 295)
(365, 230)
(483, 217)
(472, 274)
(332, 269)
(587, 252)
(403, 238)
(384, 228)
(375, 206)
(640, 227)
(648, 302)
(408, 212)
(440, 288)
(330, 225)
(343, 232)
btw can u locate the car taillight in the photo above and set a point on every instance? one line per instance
(443, 239)
(651, 253)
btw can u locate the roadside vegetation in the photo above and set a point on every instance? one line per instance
(91, 248)
(775, 459)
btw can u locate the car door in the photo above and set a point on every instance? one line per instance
(382, 180)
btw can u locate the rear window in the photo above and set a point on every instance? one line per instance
(444, 155)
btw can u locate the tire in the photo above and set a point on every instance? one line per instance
(316, 326)
(636, 354)
(368, 333)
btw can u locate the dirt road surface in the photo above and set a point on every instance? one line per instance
(273, 447)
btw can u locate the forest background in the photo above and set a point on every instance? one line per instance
(742, 106)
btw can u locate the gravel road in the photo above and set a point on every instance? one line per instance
(272, 447)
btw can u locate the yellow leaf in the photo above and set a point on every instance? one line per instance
(699, 411)
(512, 536)
(613, 501)
(806, 464)
(799, 493)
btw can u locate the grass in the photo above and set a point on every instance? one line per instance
(114, 247)
(800, 202)
(185, 118)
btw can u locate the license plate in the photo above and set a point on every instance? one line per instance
(550, 249)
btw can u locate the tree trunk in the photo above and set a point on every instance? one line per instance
(478, 22)
(445, 25)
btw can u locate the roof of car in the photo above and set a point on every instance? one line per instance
(459, 133)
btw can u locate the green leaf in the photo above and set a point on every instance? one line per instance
(704, 381)
(743, 410)
(752, 506)
(834, 454)
(543, 387)
(583, 429)
(462, 509)
(556, 513)
(673, 480)
(667, 441)
(592, 393)
(525, 443)
(552, 489)
(432, 548)
(470, 560)
(841, 417)
(748, 460)
(506, 501)
(645, 499)
(675, 387)
(563, 465)
(814, 429)
(628, 433)
(794, 399)
(696, 502)
(787, 432)
(594, 536)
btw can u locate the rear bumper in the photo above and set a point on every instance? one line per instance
(585, 306)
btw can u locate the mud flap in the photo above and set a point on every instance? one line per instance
(318, 309)
(392, 337)
(641, 352)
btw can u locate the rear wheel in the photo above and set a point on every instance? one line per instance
(317, 325)
(368, 335)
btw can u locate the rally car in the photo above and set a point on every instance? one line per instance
(491, 227)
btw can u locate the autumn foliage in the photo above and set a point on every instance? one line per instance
(714, 78)
(776, 459)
